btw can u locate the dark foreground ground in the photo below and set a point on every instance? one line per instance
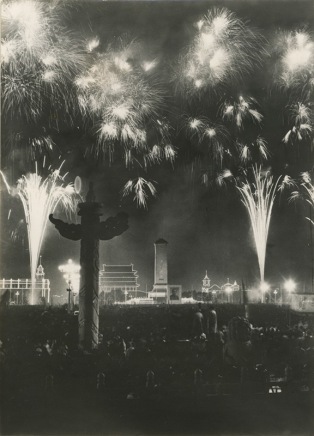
(78, 410)
(49, 387)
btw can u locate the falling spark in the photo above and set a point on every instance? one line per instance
(300, 117)
(258, 198)
(139, 187)
(254, 151)
(39, 198)
(241, 110)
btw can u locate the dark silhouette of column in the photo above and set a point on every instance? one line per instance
(90, 231)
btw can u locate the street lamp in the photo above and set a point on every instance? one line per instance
(275, 293)
(17, 297)
(289, 286)
(264, 288)
(71, 276)
(228, 289)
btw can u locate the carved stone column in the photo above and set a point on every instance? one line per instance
(89, 283)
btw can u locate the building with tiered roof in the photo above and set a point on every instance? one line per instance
(116, 281)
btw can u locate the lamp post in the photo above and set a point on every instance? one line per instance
(228, 289)
(289, 286)
(17, 297)
(71, 276)
(275, 293)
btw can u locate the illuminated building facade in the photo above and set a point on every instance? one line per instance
(17, 291)
(117, 283)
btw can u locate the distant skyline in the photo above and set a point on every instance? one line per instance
(206, 228)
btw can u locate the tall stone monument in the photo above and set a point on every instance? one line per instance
(90, 231)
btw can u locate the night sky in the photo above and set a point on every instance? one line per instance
(206, 228)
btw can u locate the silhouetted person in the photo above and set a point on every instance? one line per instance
(198, 322)
(211, 321)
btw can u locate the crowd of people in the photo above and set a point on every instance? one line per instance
(163, 348)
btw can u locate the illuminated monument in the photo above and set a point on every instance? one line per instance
(163, 292)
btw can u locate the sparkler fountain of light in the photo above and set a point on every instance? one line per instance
(258, 198)
(39, 198)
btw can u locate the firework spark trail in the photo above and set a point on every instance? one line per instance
(308, 186)
(39, 198)
(39, 60)
(295, 51)
(301, 118)
(258, 198)
(223, 49)
(140, 187)
(240, 110)
(256, 150)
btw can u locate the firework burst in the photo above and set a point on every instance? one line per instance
(295, 53)
(119, 94)
(258, 198)
(254, 151)
(123, 101)
(141, 188)
(241, 110)
(40, 59)
(301, 120)
(223, 50)
(39, 198)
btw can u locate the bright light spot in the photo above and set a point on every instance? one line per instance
(200, 24)
(211, 132)
(84, 81)
(49, 60)
(264, 287)
(49, 75)
(109, 130)
(121, 112)
(122, 64)
(298, 58)
(195, 123)
(198, 83)
(147, 66)
(220, 24)
(219, 61)
(92, 44)
(116, 86)
(208, 39)
(289, 285)
(228, 109)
